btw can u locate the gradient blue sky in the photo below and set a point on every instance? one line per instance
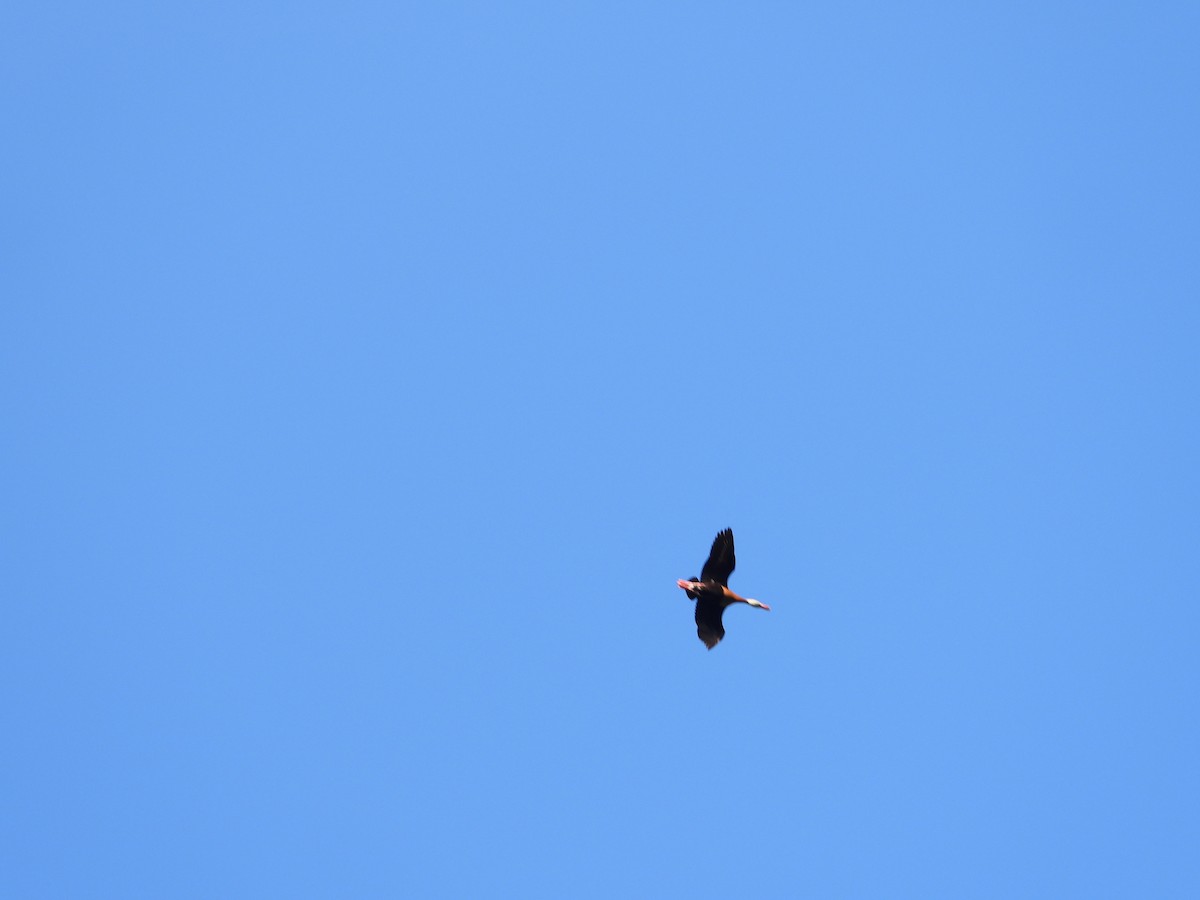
(372, 371)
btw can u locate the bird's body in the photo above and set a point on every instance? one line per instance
(711, 590)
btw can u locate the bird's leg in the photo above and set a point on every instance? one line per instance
(689, 585)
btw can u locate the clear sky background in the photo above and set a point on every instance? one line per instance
(371, 371)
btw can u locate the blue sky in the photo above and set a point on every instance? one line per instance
(371, 373)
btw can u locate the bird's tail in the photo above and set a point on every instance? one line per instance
(692, 595)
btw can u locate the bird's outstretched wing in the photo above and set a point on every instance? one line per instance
(708, 620)
(720, 559)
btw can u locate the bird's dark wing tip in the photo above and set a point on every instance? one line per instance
(708, 622)
(721, 559)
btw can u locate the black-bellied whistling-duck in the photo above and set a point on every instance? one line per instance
(711, 590)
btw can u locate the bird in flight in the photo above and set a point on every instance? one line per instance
(711, 590)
